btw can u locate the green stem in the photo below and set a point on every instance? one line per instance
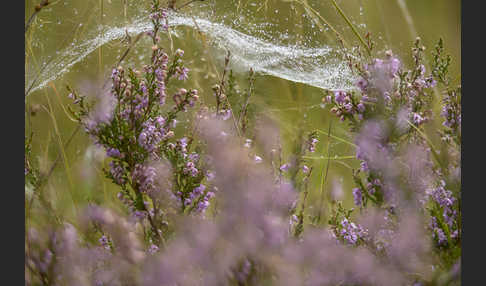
(328, 158)
(432, 147)
(353, 28)
(309, 8)
(337, 138)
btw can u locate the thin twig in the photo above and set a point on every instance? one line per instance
(353, 28)
(222, 87)
(243, 112)
(413, 33)
(45, 178)
(187, 3)
(30, 20)
(328, 158)
(125, 54)
(327, 170)
(315, 13)
(36, 78)
(337, 138)
(37, 9)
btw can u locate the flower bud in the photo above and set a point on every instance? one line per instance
(170, 134)
(179, 53)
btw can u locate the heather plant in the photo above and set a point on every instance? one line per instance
(219, 201)
(247, 243)
(387, 113)
(136, 126)
(30, 170)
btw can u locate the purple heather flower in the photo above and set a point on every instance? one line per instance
(190, 168)
(451, 111)
(117, 172)
(349, 107)
(153, 249)
(294, 219)
(362, 84)
(359, 154)
(210, 176)
(203, 204)
(202, 199)
(103, 111)
(312, 145)
(387, 97)
(454, 234)
(223, 136)
(164, 59)
(179, 53)
(248, 143)
(144, 176)
(372, 191)
(139, 214)
(361, 107)
(442, 196)
(441, 237)
(430, 82)
(160, 74)
(382, 73)
(352, 233)
(152, 134)
(150, 33)
(113, 152)
(417, 119)
(187, 202)
(364, 166)
(358, 196)
(199, 190)
(104, 242)
(115, 76)
(394, 65)
(242, 274)
(305, 169)
(257, 159)
(371, 187)
(421, 69)
(339, 97)
(194, 157)
(182, 73)
(158, 14)
(285, 167)
(225, 114)
(445, 111)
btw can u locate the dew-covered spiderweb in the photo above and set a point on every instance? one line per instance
(278, 40)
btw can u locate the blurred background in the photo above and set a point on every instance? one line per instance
(77, 42)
